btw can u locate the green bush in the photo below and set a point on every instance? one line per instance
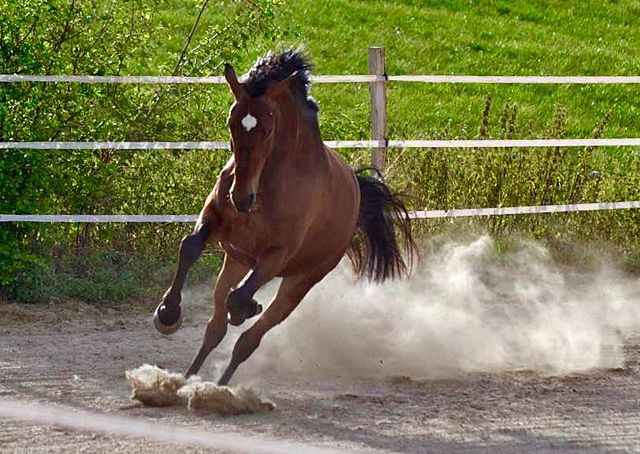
(111, 38)
(101, 276)
(506, 177)
(34, 284)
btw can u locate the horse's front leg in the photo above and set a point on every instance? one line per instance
(240, 302)
(232, 272)
(167, 317)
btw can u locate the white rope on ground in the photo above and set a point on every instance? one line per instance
(524, 143)
(156, 432)
(426, 214)
(365, 78)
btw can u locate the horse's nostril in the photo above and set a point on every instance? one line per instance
(245, 205)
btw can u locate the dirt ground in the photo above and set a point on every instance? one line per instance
(77, 360)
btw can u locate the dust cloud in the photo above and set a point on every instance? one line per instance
(466, 309)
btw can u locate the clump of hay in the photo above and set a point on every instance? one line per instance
(209, 397)
(156, 387)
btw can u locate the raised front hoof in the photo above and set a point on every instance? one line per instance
(166, 328)
(237, 316)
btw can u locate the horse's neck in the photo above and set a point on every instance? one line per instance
(298, 151)
(299, 140)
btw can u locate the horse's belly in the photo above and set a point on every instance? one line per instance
(321, 248)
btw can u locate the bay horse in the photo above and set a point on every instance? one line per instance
(284, 205)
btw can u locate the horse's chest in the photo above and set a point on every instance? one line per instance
(245, 235)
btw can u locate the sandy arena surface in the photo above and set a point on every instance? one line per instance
(476, 353)
(80, 364)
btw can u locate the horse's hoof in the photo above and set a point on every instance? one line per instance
(254, 309)
(236, 319)
(166, 329)
(237, 315)
(237, 300)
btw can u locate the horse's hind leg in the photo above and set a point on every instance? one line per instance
(167, 315)
(232, 272)
(291, 292)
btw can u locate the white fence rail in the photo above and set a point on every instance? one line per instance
(170, 79)
(378, 80)
(364, 78)
(525, 143)
(426, 214)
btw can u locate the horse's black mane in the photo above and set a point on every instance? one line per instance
(277, 67)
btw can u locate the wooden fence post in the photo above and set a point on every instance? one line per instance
(378, 107)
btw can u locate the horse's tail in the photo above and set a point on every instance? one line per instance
(374, 249)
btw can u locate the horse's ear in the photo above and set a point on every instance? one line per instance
(232, 80)
(276, 90)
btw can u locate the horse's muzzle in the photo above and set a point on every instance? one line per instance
(166, 329)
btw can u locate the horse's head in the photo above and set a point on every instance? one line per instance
(252, 122)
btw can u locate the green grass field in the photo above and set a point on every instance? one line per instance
(474, 38)
(480, 38)
(463, 38)
(486, 37)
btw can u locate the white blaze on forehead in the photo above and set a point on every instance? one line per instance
(249, 122)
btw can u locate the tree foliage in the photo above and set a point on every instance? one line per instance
(111, 37)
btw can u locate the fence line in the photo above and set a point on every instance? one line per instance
(99, 218)
(565, 80)
(378, 79)
(116, 145)
(536, 209)
(424, 214)
(432, 79)
(12, 78)
(159, 145)
(519, 143)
